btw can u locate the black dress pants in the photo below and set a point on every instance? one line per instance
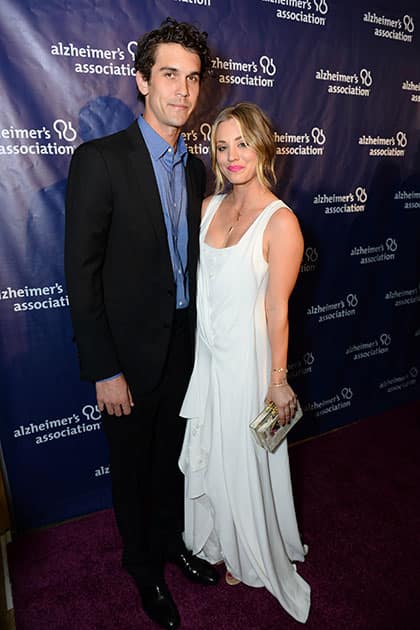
(147, 485)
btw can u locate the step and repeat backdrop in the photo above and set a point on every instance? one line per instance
(341, 82)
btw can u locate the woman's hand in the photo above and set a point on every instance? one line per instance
(285, 400)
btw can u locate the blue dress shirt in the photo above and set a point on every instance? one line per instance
(169, 168)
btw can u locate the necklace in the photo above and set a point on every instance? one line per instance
(234, 224)
(232, 227)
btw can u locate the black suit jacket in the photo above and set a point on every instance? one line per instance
(118, 268)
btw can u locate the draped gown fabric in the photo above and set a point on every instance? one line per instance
(239, 503)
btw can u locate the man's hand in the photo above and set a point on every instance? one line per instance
(114, 396)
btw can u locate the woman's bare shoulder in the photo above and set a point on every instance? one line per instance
(284, 219)
(205, 205)
(283, 227)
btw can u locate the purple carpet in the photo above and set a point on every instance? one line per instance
(357, 498)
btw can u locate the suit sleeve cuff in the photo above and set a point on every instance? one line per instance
(110, 378)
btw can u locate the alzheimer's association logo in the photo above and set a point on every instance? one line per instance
(205, 130)
(391, 244)
(302, 11)
(321, 6)
(408, 23)
(352, 300)
(385, 339)
(253, 72)
(346, 393)
(267, 65)
(318, 135)
(64, 130)
(310, 259)
(366, 77)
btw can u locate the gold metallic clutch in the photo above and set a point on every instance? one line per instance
(267, 429)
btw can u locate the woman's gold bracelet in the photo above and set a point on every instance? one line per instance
(282, 384)
(285, 370)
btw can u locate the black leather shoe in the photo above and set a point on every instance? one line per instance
(194, 568)
(159, 605)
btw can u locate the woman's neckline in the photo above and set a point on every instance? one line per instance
(226, 247)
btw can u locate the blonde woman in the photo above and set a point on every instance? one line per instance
(239, 504)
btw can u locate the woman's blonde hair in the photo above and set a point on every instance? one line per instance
(257, 131)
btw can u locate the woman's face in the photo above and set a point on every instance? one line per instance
(236, 160)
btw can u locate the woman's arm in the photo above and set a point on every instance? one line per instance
(283, 247)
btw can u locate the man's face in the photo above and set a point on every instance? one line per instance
(172, 91)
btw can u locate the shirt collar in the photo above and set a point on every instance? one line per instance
(157, 146)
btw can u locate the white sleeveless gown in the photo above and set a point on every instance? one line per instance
(238, 502)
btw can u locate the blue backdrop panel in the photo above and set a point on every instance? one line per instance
(341, 82)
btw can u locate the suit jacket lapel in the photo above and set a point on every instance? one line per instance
(149, 198)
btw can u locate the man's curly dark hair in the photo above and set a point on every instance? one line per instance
(171, 32)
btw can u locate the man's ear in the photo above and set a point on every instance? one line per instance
(142, 84)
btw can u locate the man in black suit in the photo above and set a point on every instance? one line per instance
(132, 223)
